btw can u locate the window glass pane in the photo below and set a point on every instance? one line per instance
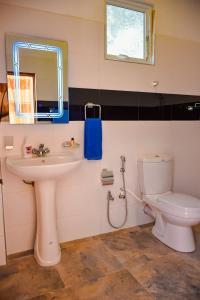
(125, 32)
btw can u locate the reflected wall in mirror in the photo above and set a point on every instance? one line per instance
(4, 106)
(37, 80)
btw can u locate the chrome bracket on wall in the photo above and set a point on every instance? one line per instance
(192, 107)
(91, 105)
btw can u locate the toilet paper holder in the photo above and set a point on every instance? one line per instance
(8, 142)
(107, 177)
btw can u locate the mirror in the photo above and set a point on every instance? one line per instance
(37, 80)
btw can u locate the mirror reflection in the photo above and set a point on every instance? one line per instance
(37, 80)
(4, 106)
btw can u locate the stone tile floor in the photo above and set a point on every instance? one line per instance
(123, 265)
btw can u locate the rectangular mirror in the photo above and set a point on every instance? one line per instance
(37, 80)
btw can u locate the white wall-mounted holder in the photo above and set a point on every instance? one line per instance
(71, 144)
(8, 142)
(155, 83)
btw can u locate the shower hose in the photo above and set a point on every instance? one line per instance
(124, 197)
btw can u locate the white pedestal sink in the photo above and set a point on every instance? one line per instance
(44, 171)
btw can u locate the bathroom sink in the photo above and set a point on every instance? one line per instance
(45, 172)
(42, 168)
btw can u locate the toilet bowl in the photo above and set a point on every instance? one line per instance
(175, 213)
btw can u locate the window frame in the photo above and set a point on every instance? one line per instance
(148, 10)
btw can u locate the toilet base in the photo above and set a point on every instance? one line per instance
(179, 238)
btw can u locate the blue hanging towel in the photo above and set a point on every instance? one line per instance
(93, 139)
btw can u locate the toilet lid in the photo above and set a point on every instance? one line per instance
(181, 205)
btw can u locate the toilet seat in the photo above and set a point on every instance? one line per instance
(180, 205)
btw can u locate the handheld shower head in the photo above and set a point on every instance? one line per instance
(123, 159)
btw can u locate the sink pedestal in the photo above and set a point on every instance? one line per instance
(44, 171)
(47, 249)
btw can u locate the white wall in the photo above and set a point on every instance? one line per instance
(177, 47)
(81, 199)
(2, 236)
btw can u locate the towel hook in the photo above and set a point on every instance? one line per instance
(91, 105)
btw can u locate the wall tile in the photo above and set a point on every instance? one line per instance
(20, 238)
(126, 105)
(3, 251)
(149, 106)
(179, 106)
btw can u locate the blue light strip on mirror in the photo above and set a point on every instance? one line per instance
(16, 70)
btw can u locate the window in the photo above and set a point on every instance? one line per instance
(129, 31)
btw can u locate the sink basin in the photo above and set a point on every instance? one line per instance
(42, 168)
(44, 171)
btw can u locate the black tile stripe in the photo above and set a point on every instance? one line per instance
(126, 105)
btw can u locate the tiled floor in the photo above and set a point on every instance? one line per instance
(123, 265)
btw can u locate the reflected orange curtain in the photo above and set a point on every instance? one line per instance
(26, 99)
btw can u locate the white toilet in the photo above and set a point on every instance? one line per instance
(174, 213)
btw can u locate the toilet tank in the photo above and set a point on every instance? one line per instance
(155, 174)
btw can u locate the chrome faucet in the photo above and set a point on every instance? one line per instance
(41, 151)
